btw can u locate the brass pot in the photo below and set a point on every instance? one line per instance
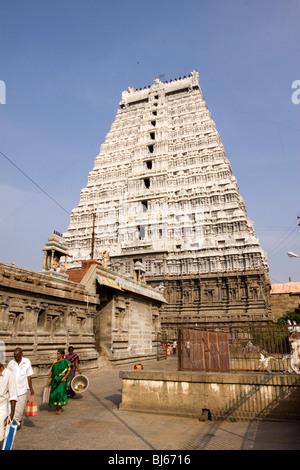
(80, 383)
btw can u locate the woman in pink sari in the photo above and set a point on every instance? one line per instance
(74, 359)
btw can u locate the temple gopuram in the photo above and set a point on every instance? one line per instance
(162, 195)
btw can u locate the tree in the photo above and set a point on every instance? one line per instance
(292, 315)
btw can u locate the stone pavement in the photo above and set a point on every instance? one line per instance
(93, 421)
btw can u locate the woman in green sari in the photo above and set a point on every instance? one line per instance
(58, 379)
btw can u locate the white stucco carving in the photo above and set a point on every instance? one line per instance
(163, 189)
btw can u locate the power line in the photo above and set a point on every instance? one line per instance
(281, 240)
(270, 227)
(33, 182)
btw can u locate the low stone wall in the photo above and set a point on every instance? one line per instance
(225, 395)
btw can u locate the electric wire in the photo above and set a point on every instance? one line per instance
(286, 235)
(282, 245)
(274, 248)
(33, 182)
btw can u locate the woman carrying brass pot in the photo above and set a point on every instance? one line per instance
(74, 360)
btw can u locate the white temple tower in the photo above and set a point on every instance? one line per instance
(162, 193)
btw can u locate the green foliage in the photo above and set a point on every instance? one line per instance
(292, 315)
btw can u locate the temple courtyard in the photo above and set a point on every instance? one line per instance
(93, 421)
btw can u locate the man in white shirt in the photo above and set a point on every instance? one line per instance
(21, 368)
(8, 396)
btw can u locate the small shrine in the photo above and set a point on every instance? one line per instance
(55, 249)
(139, 272)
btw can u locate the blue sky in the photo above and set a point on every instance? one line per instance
(65, 64)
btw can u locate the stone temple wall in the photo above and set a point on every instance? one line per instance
(106, 317)
(41, 313)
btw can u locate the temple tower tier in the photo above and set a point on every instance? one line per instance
(162, 194)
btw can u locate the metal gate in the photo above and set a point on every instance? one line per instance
(203, 350)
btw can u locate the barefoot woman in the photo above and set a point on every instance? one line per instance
(58, 379)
